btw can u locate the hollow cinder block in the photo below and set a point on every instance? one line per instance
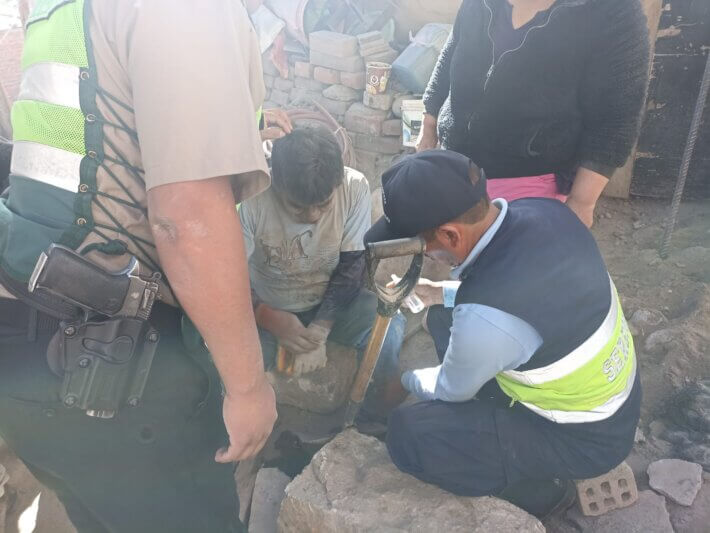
(613, 490)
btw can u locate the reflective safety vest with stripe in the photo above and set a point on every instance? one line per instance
(47, 119)
(586, 385)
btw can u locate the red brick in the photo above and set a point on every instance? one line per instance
(361, 119)
(326, 75)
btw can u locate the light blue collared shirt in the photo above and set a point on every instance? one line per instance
(484, 340)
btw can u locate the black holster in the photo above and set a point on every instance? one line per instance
(104, 363)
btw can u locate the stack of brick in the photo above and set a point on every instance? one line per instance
(373, 47)
(334, 77)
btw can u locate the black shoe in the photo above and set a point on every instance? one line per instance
(541, 498)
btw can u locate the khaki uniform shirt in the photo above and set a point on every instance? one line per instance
(188, 74)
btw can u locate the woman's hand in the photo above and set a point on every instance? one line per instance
(428, 138)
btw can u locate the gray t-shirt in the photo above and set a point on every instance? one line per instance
(290, 263)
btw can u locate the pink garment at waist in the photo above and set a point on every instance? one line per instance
(510, 189)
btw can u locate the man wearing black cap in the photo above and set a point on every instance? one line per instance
(537, 383)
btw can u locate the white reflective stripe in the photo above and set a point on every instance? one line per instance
(47, 164)
(578, 357)
(53, 83)
(602, 412)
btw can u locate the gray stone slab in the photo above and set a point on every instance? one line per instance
(352, 486)
(266, 502)
(676, 479)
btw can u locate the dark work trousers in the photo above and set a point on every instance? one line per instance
(150, 468)
(483, 446)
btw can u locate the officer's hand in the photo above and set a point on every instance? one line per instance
(249, 418)
(292, 335)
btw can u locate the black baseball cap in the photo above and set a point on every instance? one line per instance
(424, 191)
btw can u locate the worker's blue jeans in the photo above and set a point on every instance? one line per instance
(352, 328)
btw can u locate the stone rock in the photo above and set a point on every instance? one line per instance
(694, 519)
(352, 486)
(678, 480)
(334, 107)
(279, 97)
(397, 104)
(333, 43)
(283, 85)
(304, 96)
(657, 342)
(323, 390)
(362, 119)
(354, 80)
(648, 515)
(309, 84)
(698, 453)
(378, 101)
(382, 145)
(245, 477)
(656, 428)
(696, 411)
(266, 501)
(639, 437)
(341, 93)
(647, 320)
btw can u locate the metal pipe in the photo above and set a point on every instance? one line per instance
(685, 162)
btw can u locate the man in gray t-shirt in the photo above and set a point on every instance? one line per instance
(304, 240)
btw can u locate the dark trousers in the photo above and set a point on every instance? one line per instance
(483, 446)
(149, 469)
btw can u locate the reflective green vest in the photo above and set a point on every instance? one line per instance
(586, 385)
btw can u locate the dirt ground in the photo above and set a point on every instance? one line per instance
(628, 233)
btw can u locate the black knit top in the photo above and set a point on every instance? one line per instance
(569, 96)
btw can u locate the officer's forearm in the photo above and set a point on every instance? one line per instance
(199, 241)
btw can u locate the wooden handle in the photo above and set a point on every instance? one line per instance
(284, 361)
(369, 360)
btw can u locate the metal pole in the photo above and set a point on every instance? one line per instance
(685, 162)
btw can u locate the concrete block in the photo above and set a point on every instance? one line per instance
(354, 80)
(309, 84)
(332, 43)
(351, 485)
(385, 56)
(378, 101)
(614, 490)
(343, 64)
(676, 479)
(342, 93)
(303, 69)
(362, 119)
(392, 127)
(382, 145)
(323, 390)
(269, 492)
(369, 37)
(281, 98)
(282, 84)
(268, 81)
(327, 76)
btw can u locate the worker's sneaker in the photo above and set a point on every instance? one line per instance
(541, 498)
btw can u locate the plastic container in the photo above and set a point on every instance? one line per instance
(377, 76)
(414, 66)
(412, 116)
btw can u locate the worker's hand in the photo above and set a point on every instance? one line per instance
(276, 124)
(249, 418)
(429, 292)
(308, 362)
(585, 211)
(428, 138)
(288, 329)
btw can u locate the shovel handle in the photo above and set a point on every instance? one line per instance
(367, 367)
(396, 248)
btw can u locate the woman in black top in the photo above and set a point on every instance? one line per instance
(548, 92)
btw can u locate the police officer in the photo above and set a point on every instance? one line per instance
(538, 382)
(135, 132)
